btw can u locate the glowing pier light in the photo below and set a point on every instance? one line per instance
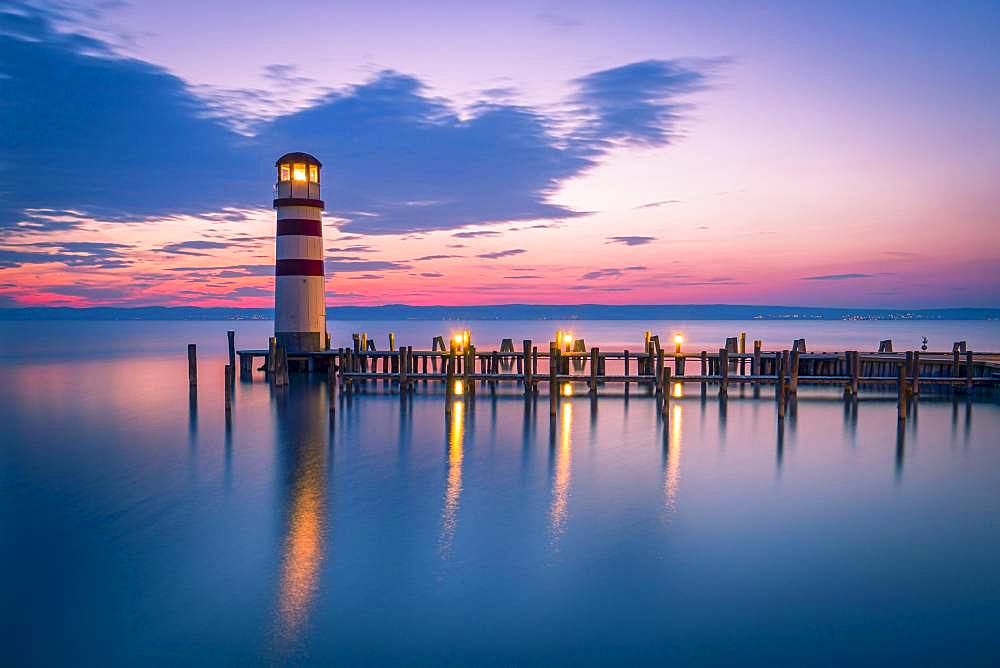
(678, 391)
(461, 339)
(678, 340)
(459, 387)
(566, 390)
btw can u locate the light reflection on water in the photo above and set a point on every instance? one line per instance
(558, 512)
(306, 504)
(220, 542)
(453, 490)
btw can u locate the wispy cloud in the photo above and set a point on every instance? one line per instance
(656, 205)
(631, 240)
(496, 255)
(837, 277)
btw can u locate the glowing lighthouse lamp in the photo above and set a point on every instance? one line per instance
(299, 291)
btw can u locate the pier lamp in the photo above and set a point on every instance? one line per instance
(678, 340)
(567, 341)
(461, 339)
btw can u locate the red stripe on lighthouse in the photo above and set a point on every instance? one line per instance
(298, 267)
(300, 226)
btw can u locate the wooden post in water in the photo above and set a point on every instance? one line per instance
(742, 351)
(901, 391)
(553, 382)
(968, 370)
(594, 355)
(854, 363)
(955, 368)
(192, 365)
(402, 361)
(229, 390)
(909, 363)
(626, 372)
(495, 363)
(665, 401)
(723, 371)
(793, 372)
(704, 369)
(679, 364)
(331, 380)
(534, 369)
(659, 371)
(526, 351)
(231, 340)
(449, 379)
(779, 385)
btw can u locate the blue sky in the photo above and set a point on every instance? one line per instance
(812, 153)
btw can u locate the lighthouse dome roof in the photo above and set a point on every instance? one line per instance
(298, 156)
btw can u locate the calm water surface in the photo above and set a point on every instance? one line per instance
(137, 528)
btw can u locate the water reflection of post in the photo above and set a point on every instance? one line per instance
(672, 460)
(900, 447)
(968, 419)
(851, 419)
(453, 487)
(561, 479)
(723, 410)
(301, 456)
(780, 452)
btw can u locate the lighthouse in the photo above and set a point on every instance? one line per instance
(299, 291)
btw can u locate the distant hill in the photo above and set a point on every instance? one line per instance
(513, 312)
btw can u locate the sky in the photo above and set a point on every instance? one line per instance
(814, 153)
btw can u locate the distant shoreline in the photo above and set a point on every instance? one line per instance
(397, 312)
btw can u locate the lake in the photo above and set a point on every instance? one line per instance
(140, 529)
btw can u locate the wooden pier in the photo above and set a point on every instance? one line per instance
(562, 365)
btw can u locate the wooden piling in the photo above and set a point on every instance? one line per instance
(402, 362)
(192, 365)
(659, 371)
(909, 364)
(665, 401)
(331, 381)
(553, 383)
(229, 389)
(231, 340)
(723, 371)
(968, 370)
(779, 384)
(704, 369)
(526, 352)
(742, 351)
(855, 366)
(793, 371)
(449, 379)
(901, 391)
(594, 355)
(679, 364)
(626, 372)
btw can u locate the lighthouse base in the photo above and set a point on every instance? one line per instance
(301, 342)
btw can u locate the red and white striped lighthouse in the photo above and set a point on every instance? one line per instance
(299, 291)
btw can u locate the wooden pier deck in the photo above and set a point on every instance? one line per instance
(461, 367)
